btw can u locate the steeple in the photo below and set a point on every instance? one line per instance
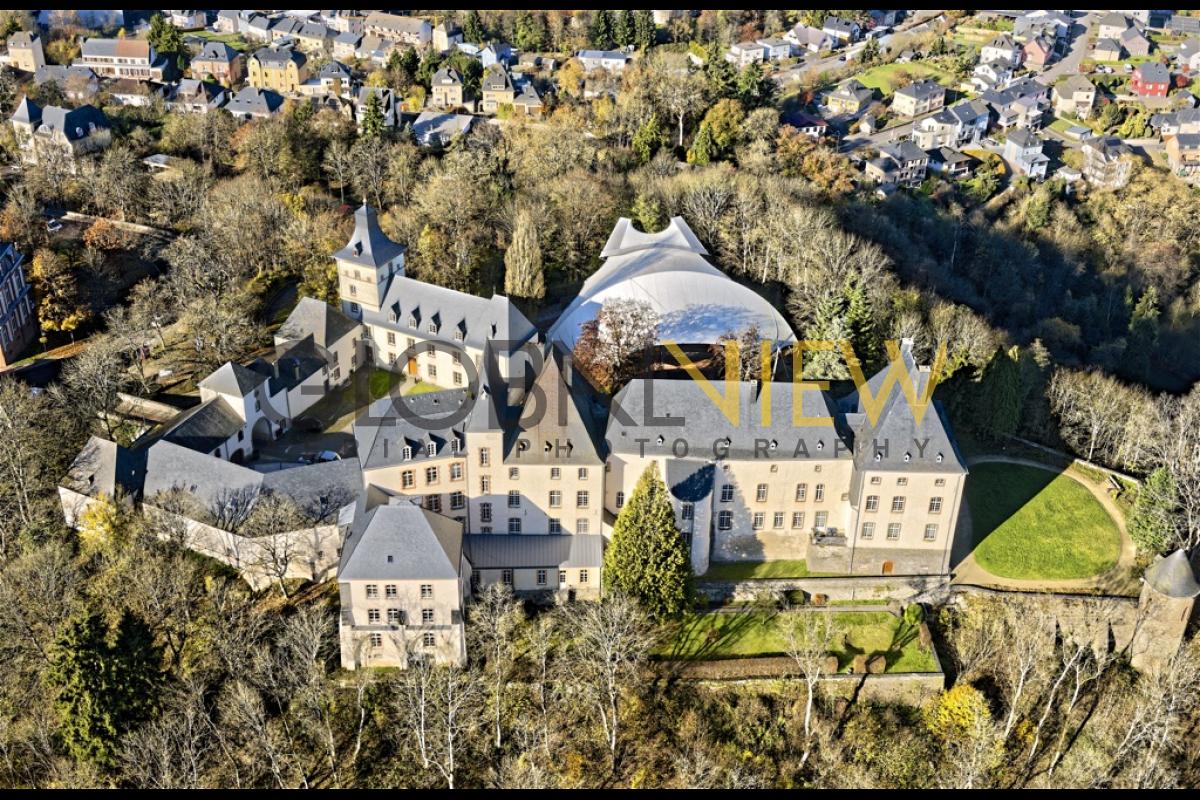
(367, 264)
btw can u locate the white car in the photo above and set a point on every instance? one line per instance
(1128, 68)
(53, 225)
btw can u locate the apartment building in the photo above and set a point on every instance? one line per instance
(279, 69)
(123, 58)
(918, 98)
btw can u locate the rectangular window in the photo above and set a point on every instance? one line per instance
(541, 577)
(583, 576)
(930, 532)
(562, 577)
(485, 457)
(797, 519)
(506, 577)
(935, 505)
(581, 526)
(687, 511)
(819, 492)
(372, 590)
(458, 379)
(428, 640)
(393, 616)
(902, 481)
(777, 520)
(897, 504)
(431, 370)
(485, 484)
(408, 479)
(555, 473)
(727, 493)
(620, 499)
(758, 520)
(514, 524)
(872, 502)
(390, 590)
(583, 473)
(876, 480)
(431, 475)
(514, 498)
(725, 520)
(821, 519)
(801, 492)
(555, 525)
(581, 499)
(555, 499)
(426, 616)
(376, 640)
(391, 338)
(457, 500)
(893, 531)
(514, 474)
(426, 591)
(940, 482)
(373, 616)
(433, 502)
(868, 530)
(485, 512)
(456, 472)
(760, 493)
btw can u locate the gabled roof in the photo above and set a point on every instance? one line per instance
(1107, 46)
(28, 112)
(496, 79)
(369, 245)
(443, 124)
(447, 76)
(391, 424)
(517, 551)
(1152, 72)
(204, 427)
(252, 100)
(74, 123)
(402, 541)
(115, 48)
(922, 89)
(216, 51)
(558, 423)
(1173, 576)
(232, 379)
(318, 319)
(104, 467)
(293, 364)
(1076, 83)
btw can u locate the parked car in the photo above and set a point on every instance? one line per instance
(53, 225)
(328, 455)
(1128, 67)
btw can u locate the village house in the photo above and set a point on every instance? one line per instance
(1107, 162)
(496, 88)
(220, 62)
(1184, 121)
(1002, 49)
(991, 75)
(918, 98)
(1075, 96)
(808, 39)
(964, 123)
(1022, 105)
(345, 45)
(1038, 53)
(25, 52)
(446, 34)
(79, 84)
(1183, 156)
(528, 101)
(187, 20)
(495, 54)
(313, 38)
(1023, 150)
(333, 79)
(252, 103)
(850, 97)
(1134, 43)
(952, 163)
(437, 129)
(122, 58)
(843, 31)
(1107, 50)
(612, 61)
(777, 49)
(447, 89)
(49, 132)
(279, 69)
(898, 164)
(389, 106)
(1189, 54)
(196, 97)
(743, 54)
(1112, 25)
(411, 31)
(1150, 79)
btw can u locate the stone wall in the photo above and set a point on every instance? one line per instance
(909, 688)
(847, 587)
(875, 560)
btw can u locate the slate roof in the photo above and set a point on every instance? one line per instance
(414, 421)
(28, 112)
(422, 545)
(1076, 83)
(660, 411)
(920, 90)
(278, 57)
(369, 245)
(496, 79)
(558, 424)
(204, 427)
(447, 76)
(904, 150)
(293, 363)
(522, 551)
(1153, 72)
(315, 318)
(442, 124)
(216, 51)
(74, 123)
(232, 379)
(1023, 138)
(250, 100)
(103, 467)
(61, 74)
(690, 480)
(1173, 576)
(1107, 46)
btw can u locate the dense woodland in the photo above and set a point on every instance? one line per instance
(1069, 319)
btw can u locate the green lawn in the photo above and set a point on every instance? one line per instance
(423, 387)
(753, 632)
(750, 570)
(1032, 524)
(884, 76)
(234, 40)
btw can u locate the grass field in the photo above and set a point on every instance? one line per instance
(750, 570)
(421, 387)
(1032, 524)
(885, 76)
(753, 632)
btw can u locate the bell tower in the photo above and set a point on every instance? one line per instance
(366, 265)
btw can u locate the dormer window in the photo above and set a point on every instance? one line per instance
(459, 335)
(432, 327)
(431, 449)
(454, 446)
(407, 453)
(412, 322)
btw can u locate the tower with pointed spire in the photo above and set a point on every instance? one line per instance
(1166, 610)
(367, 264)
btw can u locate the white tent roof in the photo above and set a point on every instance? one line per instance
(695, 301)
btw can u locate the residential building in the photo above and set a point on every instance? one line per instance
(229, 21)
(918, 98)
(743, 54)
(252, 103)
(447, 88)
(991, 75)
(313, 38)
(128, 92)
(122, 58)
(25, 52)
(1023, 150)
(446, 34)
(964, 123)
(1107, 162)
(411, 31)
(1002, 49)
(333, 79)
(220, 62)
(843, 31)
(187, 20)
(389, 105)
(1112, 25)
(777, 48)
(613, 61)
(79, 84)
(495, 54)
(1184, 121)
(280, 69)
(528, 101)
(1183, 25)
(345, 45)
(1038, 52)
(1107, 50)
(1150, 79)
(1189, 53)
(18, 319)
(71, 131)
(810, 126)
(439, 128)
(850, 97)
(496, 88)
(1054, 25)
(1134, 43)
(1075, 97)
(950, 162)
(346, 22)
(196, 97)
(807, 39)
(899, 163)
(258, 28)
(284, 31)
(1023, 104)
(1183, 156)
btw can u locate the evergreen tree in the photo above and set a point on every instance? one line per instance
(719, 74)
(1000, 395)
(523, 273)
(601, 32)
(860, 323)
(1151, 522)
(647, 213)
(704, 147)
(529, 31)
(372, 124)
(647, 558)
(473, 28)
(648, 138)
(103, 690)
(828, 325)
(645, 32)
(623, 28)
(167, 40)
(754, 88)
(1143, 335)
